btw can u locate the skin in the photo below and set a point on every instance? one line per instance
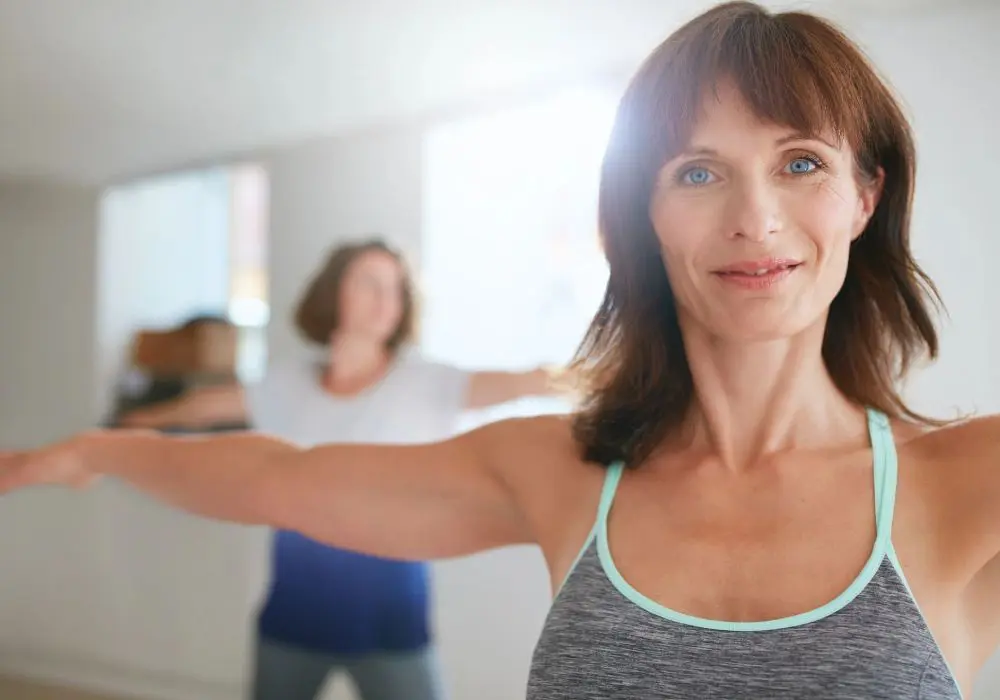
(371, 308)
(763, 499)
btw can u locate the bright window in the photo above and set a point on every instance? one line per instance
(512, 270)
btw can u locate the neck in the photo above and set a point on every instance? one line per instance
(355, 357)
(756, 399)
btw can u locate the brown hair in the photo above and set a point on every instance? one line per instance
(318, 312)
(792, 69)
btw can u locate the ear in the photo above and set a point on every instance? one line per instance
(869, 194)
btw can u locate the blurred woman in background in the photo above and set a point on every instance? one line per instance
(332, 610)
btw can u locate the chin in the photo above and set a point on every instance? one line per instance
(762, 327)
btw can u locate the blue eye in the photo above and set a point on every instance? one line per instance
(802, 166)
(696, 177)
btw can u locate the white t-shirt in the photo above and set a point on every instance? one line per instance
(417, 401)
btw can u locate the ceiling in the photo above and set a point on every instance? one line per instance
(99, 90)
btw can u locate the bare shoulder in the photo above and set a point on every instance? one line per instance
(963, 448)
(540, 462)
(953, 472)
(533, 454)
(547, 437)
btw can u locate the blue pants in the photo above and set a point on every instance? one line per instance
(284, 672)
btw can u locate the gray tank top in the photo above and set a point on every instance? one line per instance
(603, 640)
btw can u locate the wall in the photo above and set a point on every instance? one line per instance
(68, 600)
(47, 284)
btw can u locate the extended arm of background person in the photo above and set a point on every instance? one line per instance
(407, 502)
(213, 405)
(493, 388)
(196, 408)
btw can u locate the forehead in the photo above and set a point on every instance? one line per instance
(726, 121)
(375, 262)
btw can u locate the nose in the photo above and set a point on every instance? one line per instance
(754, 209)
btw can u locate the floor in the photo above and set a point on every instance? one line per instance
(13, 689)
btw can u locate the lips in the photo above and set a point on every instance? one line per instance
(758, 268)
(758, 274)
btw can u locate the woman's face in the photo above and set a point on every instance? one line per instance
(755, 223)
(371, 296)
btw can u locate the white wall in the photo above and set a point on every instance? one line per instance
(47, 288)
(78, 569)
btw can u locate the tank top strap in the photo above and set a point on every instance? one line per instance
(885, 468)
(611, 479)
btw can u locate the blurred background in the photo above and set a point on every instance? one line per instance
(169, 158)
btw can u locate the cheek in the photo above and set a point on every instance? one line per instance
(346, 303)
(826, 220)
(392, 309)
(354, 304)
(826, 217)
(387, 307)
(682, 229)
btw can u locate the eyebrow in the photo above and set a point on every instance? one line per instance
(798, 136)
(801, 136)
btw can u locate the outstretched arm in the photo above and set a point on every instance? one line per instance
(406, 502)
(195, 408)
(493, 388)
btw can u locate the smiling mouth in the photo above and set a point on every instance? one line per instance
(758, 275)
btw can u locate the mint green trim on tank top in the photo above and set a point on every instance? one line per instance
(884, 469)
(579, 555)
(894, 560)
(882, 440)
(611, 478)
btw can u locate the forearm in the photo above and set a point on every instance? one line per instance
(171, 414)
(491, 388)
(196, 408)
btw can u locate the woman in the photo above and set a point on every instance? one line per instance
(330, 609)
(720, 518)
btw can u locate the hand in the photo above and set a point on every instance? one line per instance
(560, 379)
(60, 464)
